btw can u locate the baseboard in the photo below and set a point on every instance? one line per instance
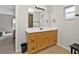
(63, 47)
(18, 51)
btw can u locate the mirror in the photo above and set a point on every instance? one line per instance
(35, 17)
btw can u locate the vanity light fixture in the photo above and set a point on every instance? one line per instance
(39, 8)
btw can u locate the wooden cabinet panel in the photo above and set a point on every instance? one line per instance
(41, 40)
(32, 40)
(39, 44)
(32, 48)
(54, 36)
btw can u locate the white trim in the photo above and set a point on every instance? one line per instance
(63, 46)
(18, 51)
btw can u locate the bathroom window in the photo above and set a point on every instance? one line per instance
(69, 12)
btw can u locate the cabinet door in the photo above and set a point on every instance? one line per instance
(51, 38)
(55, 36)
(44, 41)
(41, 41)
(47, 38)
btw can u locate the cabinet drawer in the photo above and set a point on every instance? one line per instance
(32, 34)
(32, 48)
(32, 40)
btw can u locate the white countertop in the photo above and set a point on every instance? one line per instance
(31, 30)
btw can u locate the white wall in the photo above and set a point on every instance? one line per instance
(22, 24)
(6, 23)
(68, 31)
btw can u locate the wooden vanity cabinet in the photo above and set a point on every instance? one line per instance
(40, 40)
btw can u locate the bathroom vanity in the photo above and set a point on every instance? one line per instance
(40, 38)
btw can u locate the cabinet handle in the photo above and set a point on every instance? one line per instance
(33, 41)
(46, 37)
(33, 48)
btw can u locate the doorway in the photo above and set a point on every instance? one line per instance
(7, 41)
